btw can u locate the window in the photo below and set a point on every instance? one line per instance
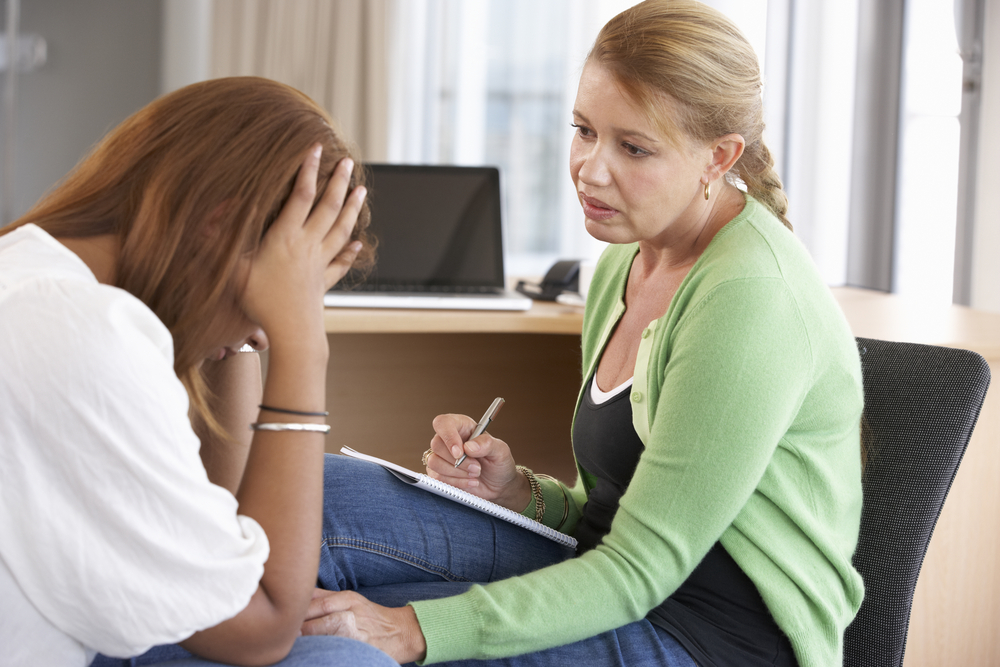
(928, 152)
(493, 82)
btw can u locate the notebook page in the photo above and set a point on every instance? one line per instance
(458, 495)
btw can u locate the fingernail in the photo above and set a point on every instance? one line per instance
(456, 452)
(474, 469)
(472, 446)
(362, 192)
(348, 164)
(473, 483)
(318, 150)
(356, 246)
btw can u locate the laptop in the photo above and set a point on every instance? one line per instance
(440, 242)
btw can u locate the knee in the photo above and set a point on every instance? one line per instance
(319, 651)
(341, 472)
(349, 482)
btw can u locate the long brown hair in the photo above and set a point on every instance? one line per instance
(699, 58)
(187, 185)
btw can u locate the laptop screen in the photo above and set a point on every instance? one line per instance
(437, 227)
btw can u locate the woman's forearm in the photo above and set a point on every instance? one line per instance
(282, 489)
(304, 253)
(235, 386)
(282, 485)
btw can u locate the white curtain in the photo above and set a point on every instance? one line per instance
(332, 50)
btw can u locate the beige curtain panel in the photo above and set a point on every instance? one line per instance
(332, 50)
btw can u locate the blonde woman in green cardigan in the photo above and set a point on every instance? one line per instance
(716, 433)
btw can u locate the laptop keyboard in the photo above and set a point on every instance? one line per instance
(427, 289)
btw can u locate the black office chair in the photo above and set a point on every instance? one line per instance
(921, 404)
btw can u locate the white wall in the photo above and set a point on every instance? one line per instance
(103, 65)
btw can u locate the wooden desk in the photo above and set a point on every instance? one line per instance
(392, 371)
(542, 318)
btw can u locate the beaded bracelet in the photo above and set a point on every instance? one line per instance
(536, 492)
(565, 498)
(279, 426)
(294, 412)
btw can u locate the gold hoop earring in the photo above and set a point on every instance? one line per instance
(708, 190)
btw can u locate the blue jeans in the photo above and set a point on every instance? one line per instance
(394, 544)
(307, 652)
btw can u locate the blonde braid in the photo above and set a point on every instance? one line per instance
(756, 169)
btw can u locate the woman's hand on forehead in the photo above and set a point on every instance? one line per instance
(304, 253)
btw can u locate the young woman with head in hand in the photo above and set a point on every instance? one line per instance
(716, 433)
(213, 219)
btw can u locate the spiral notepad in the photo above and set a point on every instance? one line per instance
(451, 493)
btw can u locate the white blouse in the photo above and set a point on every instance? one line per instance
(112, 539)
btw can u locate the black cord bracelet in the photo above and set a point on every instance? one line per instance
(294, 412)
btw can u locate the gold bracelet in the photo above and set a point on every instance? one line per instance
(536, 492)
(565, 498)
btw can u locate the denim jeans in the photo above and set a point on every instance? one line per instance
(307, 652)
(394, 544)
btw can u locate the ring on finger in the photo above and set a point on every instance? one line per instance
(423, 459)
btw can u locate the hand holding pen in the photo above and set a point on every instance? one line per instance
(491, 413)
(490, 473)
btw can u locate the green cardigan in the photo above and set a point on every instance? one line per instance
(747, 396)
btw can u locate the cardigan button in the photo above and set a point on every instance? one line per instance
(636, 397)
(646, 332)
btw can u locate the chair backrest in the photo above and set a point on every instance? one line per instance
(921, 404)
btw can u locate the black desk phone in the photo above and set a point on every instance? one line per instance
(564, 276)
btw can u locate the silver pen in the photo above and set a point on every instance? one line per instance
(491, 413)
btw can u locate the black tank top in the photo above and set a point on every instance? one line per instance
(717, 613)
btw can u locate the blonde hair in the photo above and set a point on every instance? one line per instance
(699, 59)
(188, 184)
